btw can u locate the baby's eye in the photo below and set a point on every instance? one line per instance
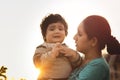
(61, 29)
(51, 29)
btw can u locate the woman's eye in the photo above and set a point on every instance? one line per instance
(79, 34)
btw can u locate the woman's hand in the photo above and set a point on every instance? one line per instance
(70, 53)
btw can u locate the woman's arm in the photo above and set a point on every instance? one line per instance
(73, 56)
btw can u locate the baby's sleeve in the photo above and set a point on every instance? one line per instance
(42, 57)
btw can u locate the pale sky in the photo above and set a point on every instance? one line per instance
(20, 31)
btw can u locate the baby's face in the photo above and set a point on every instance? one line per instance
(55, 33)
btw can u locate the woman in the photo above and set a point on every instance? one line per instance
(93, 35)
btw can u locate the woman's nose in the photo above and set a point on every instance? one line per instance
(75, 37)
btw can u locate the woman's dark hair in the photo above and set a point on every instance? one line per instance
(97, 26)
(52, 18)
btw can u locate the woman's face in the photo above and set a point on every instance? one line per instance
(83, 44)
(55, 33)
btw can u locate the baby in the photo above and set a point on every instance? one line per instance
(48, 57)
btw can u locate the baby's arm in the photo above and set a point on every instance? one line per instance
(40, 52)
(44, 57)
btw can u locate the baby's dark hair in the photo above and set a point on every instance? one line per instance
(52, 18)
(97, 26)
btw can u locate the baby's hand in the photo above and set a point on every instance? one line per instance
(56, 50)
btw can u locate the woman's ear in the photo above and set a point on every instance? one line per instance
(94, 41)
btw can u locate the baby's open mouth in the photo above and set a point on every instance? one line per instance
(56, 36)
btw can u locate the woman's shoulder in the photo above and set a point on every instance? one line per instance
(99, 62)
